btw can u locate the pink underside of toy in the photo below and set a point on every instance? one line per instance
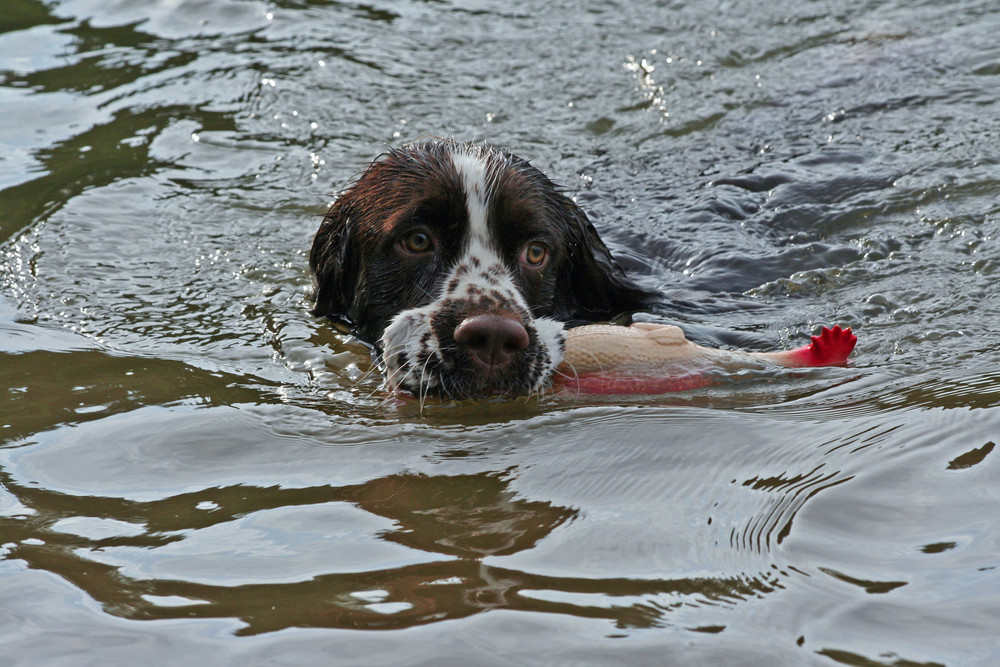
(595, 383)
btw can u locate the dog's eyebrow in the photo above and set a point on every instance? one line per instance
(437, 215)
(435, 211)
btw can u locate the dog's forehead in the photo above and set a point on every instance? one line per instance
(502, 191)
(482, 189)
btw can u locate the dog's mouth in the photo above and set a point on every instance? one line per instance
(437, 377)
(448, 351)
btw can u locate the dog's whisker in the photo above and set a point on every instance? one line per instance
(388, 387)
(375, 368)
(397, 378)
(444, 387)
(423, 384)
(426, 291)
(575, 376)
(372, 370)
(407, 374)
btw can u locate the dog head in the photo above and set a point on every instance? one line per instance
(461, 264)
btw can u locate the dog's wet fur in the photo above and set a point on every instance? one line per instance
(461, 264)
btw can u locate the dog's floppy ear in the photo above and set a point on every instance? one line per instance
(333, 264)
(596, 286)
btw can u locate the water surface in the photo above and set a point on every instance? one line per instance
(192, 469)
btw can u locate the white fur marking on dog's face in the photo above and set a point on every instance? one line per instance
(474, 172)
(408, 345)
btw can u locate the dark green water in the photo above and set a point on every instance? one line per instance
(194, 471)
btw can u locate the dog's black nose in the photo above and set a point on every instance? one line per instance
(491, 340)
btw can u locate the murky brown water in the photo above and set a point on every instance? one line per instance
(193, 470)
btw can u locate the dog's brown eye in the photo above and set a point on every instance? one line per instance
(418, 243)
(534, 255)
